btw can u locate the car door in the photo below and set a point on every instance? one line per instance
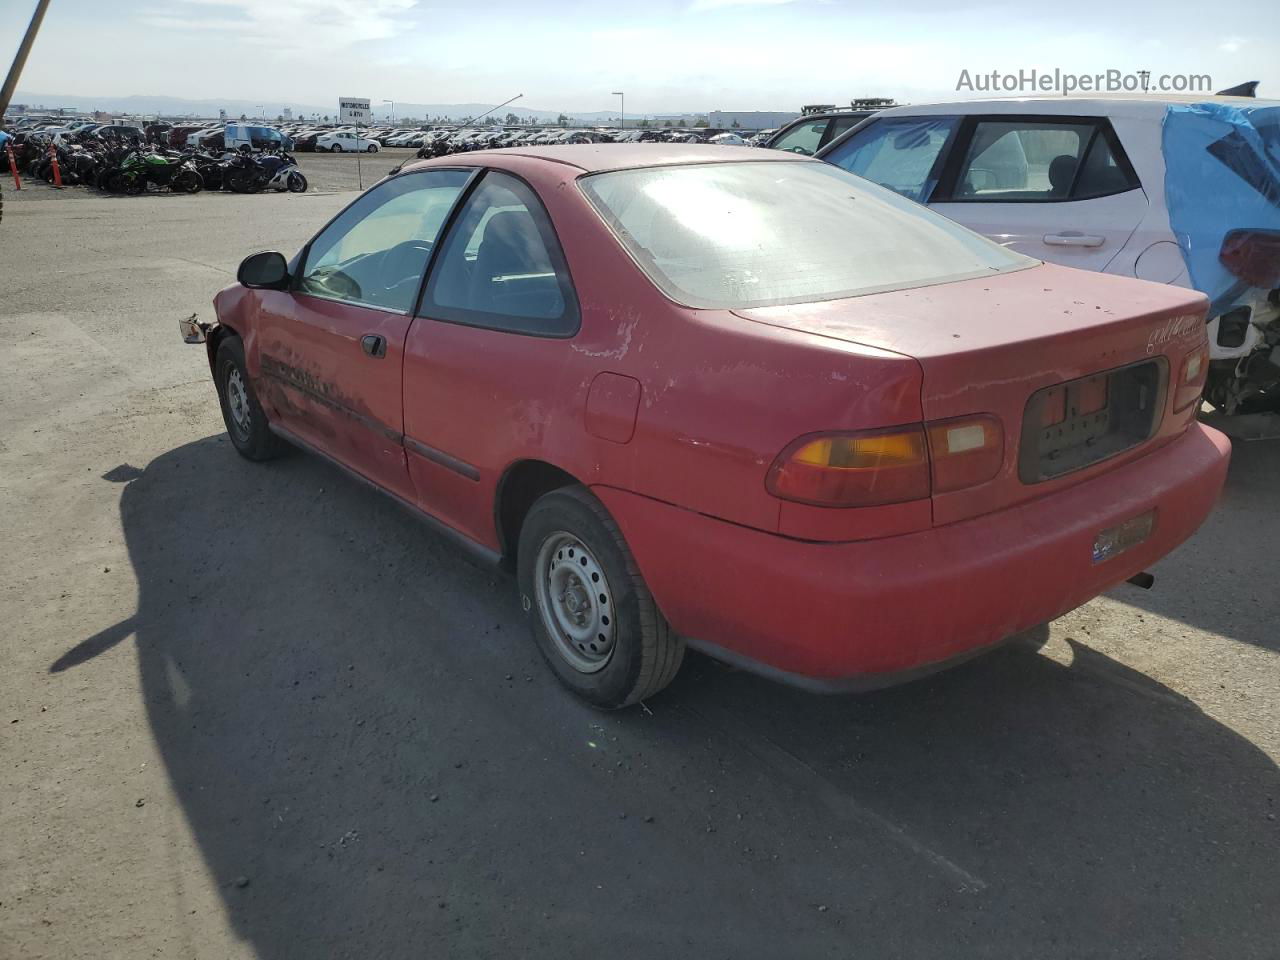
(1055, 188)
(488, 346)
(331, 348)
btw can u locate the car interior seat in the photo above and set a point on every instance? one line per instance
(512, 271)
(1062, 170)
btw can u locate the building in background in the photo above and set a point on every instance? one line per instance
(749, 119)
(670, 119)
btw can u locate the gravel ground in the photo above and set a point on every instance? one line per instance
(254, 711)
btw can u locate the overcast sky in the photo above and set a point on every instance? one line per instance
(668, 55)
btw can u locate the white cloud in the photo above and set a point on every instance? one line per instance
(318, 27)
(1232, 44)
(701, 6)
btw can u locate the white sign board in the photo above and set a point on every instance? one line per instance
(353, 110)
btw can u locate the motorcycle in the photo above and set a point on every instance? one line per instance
(212, 169)
(271, 171)
(140, 167)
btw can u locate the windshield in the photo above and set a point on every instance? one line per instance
(759, 233)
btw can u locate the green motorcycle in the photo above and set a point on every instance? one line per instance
(138, 169)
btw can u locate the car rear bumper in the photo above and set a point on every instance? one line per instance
(873, 612)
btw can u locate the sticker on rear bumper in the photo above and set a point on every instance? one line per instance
(1114, 541)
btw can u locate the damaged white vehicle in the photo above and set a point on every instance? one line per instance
(1175, 190)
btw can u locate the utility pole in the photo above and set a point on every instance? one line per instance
(20, 58)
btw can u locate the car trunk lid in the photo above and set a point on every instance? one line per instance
(1077, 367)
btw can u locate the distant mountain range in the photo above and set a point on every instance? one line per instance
(182, 107)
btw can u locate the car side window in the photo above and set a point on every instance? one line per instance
(841, 125)
(901, 153)
(374, 253)
(1103, 173)
(804, 138)
(1039, 160)
(502, 267)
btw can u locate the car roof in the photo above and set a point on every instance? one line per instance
(1133, 105)
(598, 157)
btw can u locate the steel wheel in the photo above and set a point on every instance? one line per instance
(575, 602)
(244, 417)
(238, 405)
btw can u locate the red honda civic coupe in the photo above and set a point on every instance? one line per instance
(732, 398)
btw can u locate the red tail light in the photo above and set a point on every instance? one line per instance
(859, 469)
(1253, 256)
(873, 467)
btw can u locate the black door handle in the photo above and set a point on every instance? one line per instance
(374, 345)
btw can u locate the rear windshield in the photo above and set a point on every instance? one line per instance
(759, 233)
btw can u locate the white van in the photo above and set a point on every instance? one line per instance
(237, 135)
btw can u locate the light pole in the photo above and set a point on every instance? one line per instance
(393, 111)
(20, 58)
(622, 109)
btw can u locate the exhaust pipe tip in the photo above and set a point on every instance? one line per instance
(1144, 580)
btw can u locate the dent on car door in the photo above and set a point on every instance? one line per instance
(483, 361)
(1055, 188)
(331, 348)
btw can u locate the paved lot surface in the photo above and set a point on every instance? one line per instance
(256, 711)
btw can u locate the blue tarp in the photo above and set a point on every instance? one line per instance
(1222, 173)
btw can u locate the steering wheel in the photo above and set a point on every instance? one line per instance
(336, 283)
(403, 265)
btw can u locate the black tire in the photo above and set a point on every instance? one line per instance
(186, 181)
(242, 181)
(249, 433)
(645, 653)
(371, 148)
(296, 183)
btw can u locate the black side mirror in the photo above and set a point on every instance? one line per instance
(265, 271)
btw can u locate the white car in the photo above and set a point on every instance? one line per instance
(339, 141)
(1175, 190)
(728, 140)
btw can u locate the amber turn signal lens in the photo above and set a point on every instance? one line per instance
(859, 469)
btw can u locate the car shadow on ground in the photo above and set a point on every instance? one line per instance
(374, 763)
(1222, 580)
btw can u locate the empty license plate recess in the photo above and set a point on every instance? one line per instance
(1079, 422)
(1114, 541)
